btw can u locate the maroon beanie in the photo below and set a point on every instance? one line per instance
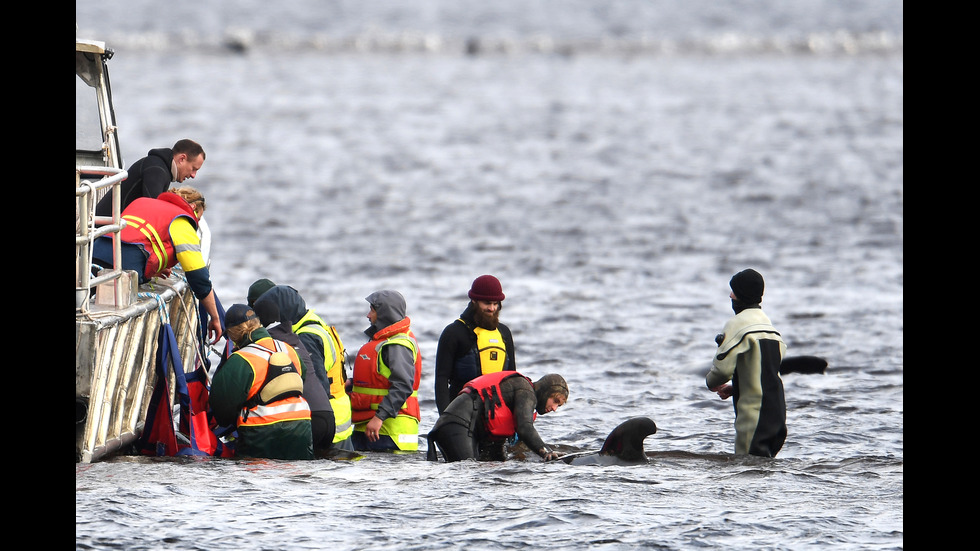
(486, 288)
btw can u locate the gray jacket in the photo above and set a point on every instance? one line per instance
(390, 307)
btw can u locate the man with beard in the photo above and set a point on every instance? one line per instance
(475, 344)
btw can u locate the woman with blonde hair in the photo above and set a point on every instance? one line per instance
(259, 390)
(159, 234)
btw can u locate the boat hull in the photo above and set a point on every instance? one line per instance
(115, 365)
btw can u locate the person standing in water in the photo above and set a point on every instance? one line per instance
(323, 343)
(321, 412)
(384, 385)
(259, 390)
(475, 344)
(749, 353)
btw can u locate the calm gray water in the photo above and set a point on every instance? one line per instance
(613, 164)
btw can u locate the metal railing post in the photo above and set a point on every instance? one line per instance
(86, 233)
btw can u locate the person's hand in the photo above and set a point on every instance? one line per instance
(214, 330)
(550, 455)
(373, 429)
(719, 338)
(724, 391)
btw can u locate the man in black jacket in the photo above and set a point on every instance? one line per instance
(475, 344)
(152, 175)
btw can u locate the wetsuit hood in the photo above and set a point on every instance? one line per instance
(548, 386)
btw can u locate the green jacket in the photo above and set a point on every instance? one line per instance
(229, 391)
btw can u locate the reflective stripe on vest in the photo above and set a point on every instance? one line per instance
(148, 225)
(342, 417)
(289, 409)
(371, 384)
(371, 377)
(152, 236)
(334, 364)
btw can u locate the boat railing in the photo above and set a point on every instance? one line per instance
(89, 227)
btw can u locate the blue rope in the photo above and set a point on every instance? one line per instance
(161, 306)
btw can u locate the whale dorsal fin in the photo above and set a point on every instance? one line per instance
(626, 440)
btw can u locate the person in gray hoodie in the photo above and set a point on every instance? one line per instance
(385, 381)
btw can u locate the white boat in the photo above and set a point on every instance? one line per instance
(117, 323)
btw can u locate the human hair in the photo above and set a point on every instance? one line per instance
(190, 147)
(193, 197)
(557, 393)
(238, 332)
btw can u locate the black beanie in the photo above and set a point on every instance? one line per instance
(748, 286)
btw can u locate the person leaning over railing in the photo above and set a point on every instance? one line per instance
(159, 234)
(153, 174)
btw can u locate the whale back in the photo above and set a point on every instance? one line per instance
(626, 441)
(623, 446)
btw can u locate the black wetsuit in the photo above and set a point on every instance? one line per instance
(457, 354)
(460, 432)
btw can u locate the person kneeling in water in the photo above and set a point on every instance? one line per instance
(491, 409)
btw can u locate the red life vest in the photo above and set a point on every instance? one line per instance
(148, 224)
(292, 408)
(497, 415)
(371, 375)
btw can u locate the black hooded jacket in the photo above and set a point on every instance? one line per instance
(292, 307)
(147, 177)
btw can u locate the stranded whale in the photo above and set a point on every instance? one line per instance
(803, 364)
(623, 446)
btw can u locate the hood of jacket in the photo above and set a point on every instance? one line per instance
(291, 305)
(389, 305)
(548, 386)
(166, 155)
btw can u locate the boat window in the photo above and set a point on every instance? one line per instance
(88, 125)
